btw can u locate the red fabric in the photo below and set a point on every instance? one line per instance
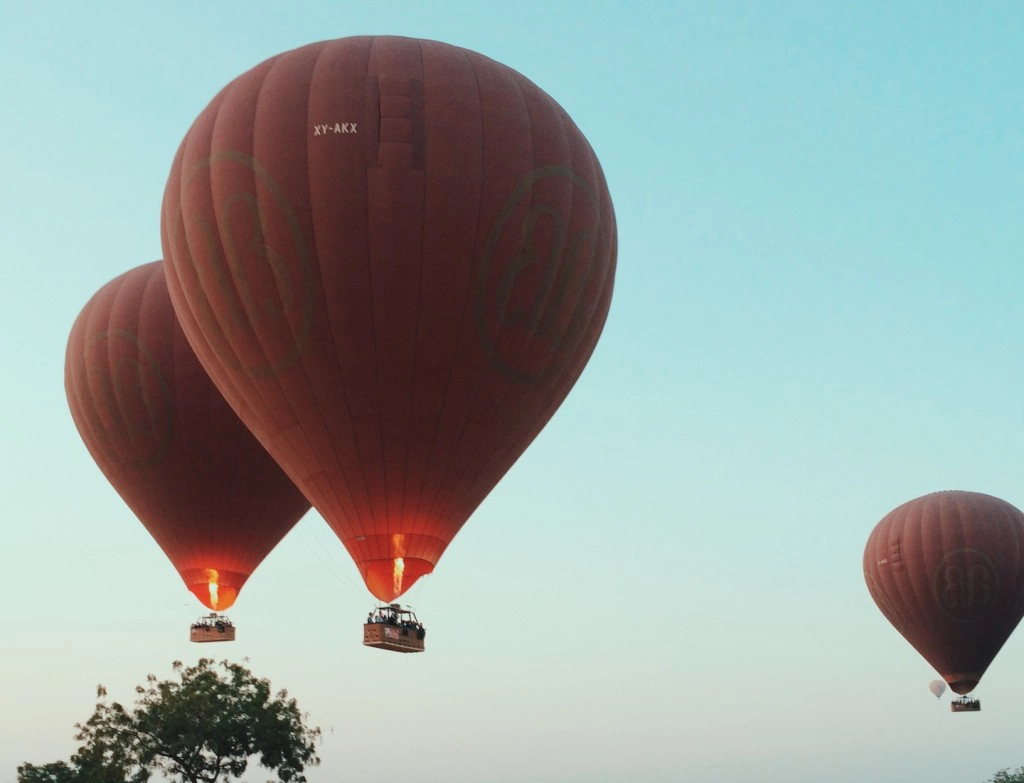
(947, 570)
(159, 430)
(394, 257)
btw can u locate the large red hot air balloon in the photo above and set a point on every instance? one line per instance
(394, 257)
(164, 437)
(947, 570)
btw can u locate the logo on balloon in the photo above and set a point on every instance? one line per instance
(238, 248)
(132, 399)
(966, 585)
(541, 276)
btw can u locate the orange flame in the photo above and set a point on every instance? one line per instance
(212, 578)
(398, 565)
(399, 571)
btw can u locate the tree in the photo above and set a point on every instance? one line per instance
(1004, 776)
(203, 727)
(57, 772)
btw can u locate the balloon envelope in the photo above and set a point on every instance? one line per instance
(158, 429)
(947, 570)
(937, 687)
(394, 257)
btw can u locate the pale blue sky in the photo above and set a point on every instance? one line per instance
(817, 317)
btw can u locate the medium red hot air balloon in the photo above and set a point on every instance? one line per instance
(947, 570)
(164, 437)
(394, 257)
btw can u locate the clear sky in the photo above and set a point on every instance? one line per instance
(817, 317)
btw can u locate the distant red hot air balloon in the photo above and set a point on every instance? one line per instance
(394, 257)
(158, 429)
(947, 570)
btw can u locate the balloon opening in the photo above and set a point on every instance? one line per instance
(390, 577)
(215, 589)
(963, 685)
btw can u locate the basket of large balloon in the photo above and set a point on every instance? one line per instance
(393, 628)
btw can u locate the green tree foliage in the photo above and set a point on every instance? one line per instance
(1002, 776)
(203, 727)
(57, 772)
